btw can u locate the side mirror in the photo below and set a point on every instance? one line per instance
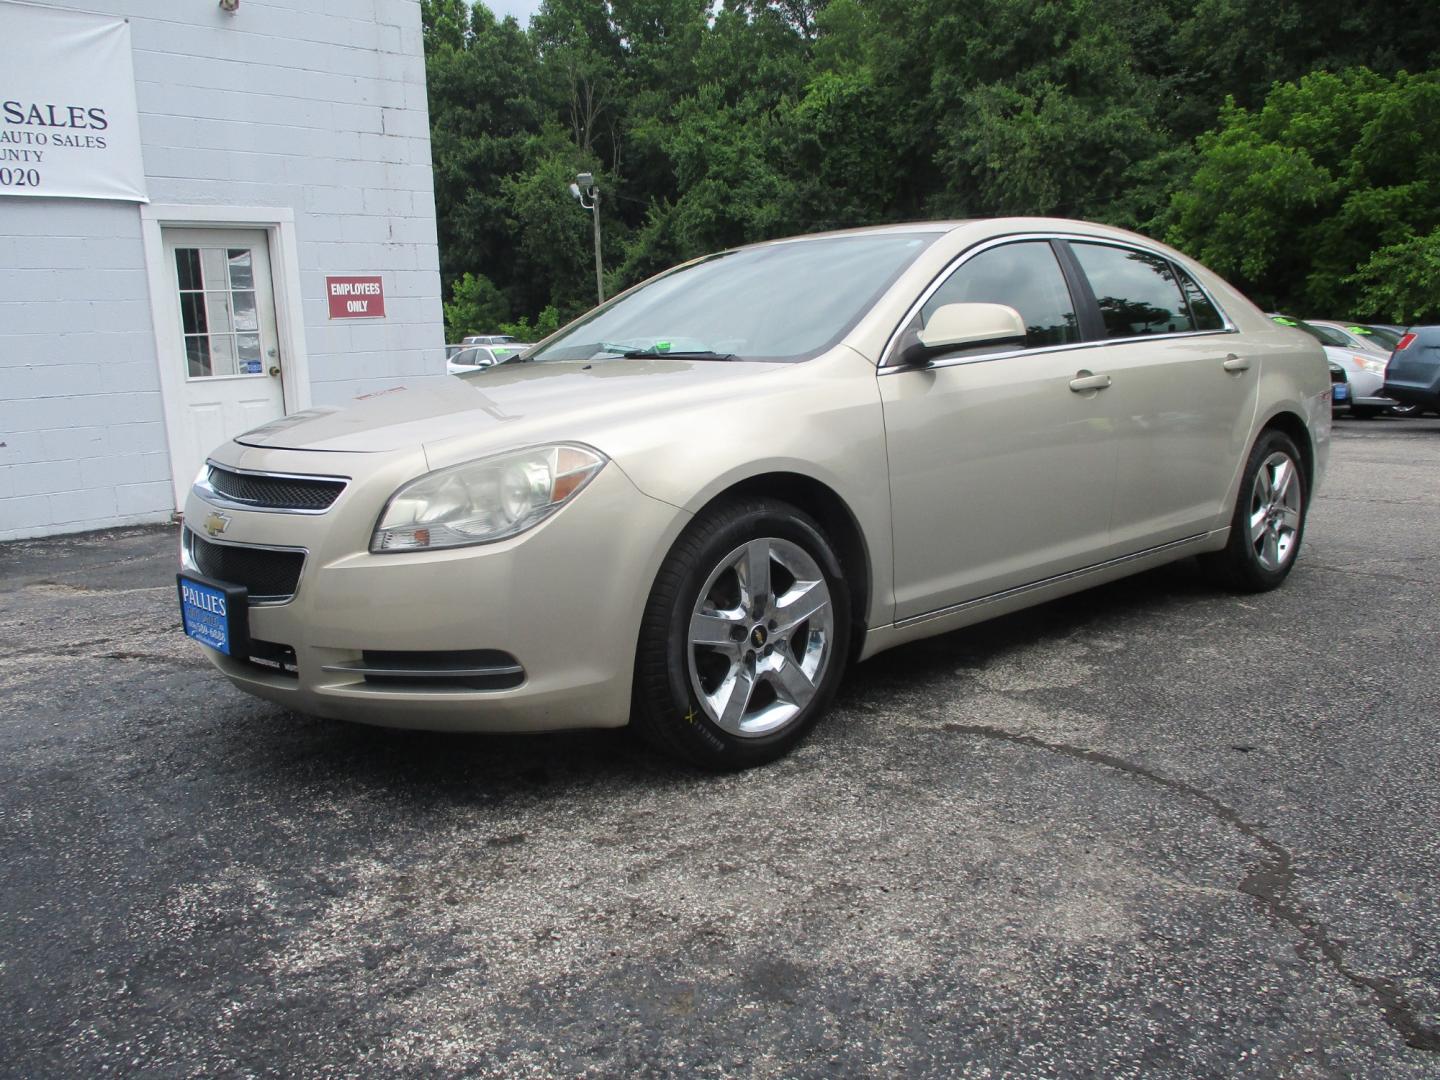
(960, 326)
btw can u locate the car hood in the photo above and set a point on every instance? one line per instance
(516, 404)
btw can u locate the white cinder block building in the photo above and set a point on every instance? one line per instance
(209, 218)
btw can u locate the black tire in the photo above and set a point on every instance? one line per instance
(667, 709)
(1405, 410)
(1242, 565)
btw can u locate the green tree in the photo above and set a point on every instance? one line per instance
(475, 306)
(1294, 199)
(1401, 282)
(710, 126)
(482, 79)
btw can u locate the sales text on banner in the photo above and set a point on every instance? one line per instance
(69, 127)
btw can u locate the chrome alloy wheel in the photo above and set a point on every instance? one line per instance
(1275, 505)
(760, 636)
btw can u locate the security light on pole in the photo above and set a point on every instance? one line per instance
(584, 186)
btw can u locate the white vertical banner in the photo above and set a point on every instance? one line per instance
(69, 126)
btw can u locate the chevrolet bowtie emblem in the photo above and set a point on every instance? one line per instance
(216, 523)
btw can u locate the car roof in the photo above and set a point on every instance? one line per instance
(985, 228)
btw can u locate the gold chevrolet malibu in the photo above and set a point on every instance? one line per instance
(691, 508)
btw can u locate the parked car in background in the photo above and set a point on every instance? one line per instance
(1413, 376)
(693, 506)
(488, 339)
(1360, 337)
(1389, 337)
(1339, 387)
(1384, 336)
(476, 357)
(1364, 368)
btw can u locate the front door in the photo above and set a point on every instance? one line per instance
(1002, 464)
(230, 354)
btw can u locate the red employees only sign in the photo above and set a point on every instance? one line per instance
(355, 297)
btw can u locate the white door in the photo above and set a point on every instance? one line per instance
(230, 351)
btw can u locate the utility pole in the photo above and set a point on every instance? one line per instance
(584, 187)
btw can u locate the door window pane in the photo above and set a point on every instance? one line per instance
(245, 315)
(187, 265)
(222, 354)
(192, 312)
(248, 350)
(197, 356)
(1024, 276)
(242, 271)
(212, 265)
(1137, 292)
(219, 311)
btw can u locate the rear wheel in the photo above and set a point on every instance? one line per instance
(1269, 519)
(1405, 409)
(744, 638)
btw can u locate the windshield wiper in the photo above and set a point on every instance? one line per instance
(681, 354)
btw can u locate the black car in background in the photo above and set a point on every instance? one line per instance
(1413, 374)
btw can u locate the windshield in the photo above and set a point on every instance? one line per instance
(786, 301)
(1322, 334)
(1385, 338)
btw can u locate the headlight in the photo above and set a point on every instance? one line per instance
(486, 500)
(1373, 364)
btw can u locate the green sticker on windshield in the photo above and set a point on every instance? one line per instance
(1283, 321)
(662, 346)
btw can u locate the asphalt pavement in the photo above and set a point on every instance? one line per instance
(1151, 830)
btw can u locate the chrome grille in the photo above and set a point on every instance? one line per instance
(268, 575)
(272, 491)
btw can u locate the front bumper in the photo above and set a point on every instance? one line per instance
(1367, 389)
(564, 600)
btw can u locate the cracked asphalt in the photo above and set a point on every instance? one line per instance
(1149, 830)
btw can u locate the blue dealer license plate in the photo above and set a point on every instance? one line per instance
(213, 614)
(1341, 391)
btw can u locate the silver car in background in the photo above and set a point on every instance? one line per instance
(1362, 361)
(476, 357)
(1377, 341)
(691, 508)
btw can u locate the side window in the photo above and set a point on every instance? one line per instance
(1023, 275)
(1137, 293)
(1202, 312)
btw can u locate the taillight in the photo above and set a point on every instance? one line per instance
(1404, 342)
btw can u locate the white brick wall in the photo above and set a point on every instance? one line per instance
(315, 105)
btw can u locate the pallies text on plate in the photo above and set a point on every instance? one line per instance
(213, 604)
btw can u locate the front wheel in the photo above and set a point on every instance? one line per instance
(1269, 519)
(744, 638)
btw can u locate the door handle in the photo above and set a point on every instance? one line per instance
(1085, 380)
(1236, 363)
(274, 371)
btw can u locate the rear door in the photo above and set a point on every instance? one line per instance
(1182, 396)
